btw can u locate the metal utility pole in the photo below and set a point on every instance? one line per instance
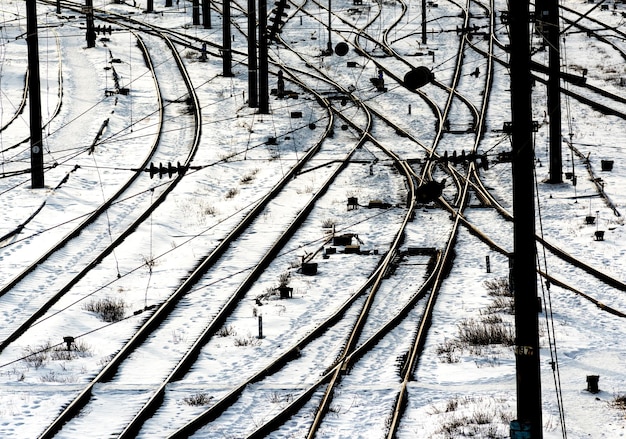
(206, 14)
(550, 18)
(264, 106)
(195, 12)
(91, 32)
(253, 100)
(227, 49)
(330, 33)
(524, 275)
(423, 21)
(34, 95)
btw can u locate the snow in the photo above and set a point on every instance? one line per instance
(232, 170)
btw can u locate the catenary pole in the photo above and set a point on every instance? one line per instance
(550, 19)
(206, 14)
(34, 95)
(195, 12)
(329, 46)
(523, 270)
(226, 36)
(253, 100)
(91, 32)
(423, 21)
(264, 105)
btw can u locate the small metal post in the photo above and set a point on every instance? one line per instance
(68, 341)
(409, 108)
(592, 383)
(260, 326)
(488, 264)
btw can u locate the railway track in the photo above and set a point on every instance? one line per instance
(348, 327)
(110, 370)
(15, 291)
(14, 162)
(131, 428)
(333, 375)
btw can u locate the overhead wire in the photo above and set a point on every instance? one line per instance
(149, 261)
(546, 293)
(106, 212)
(549, 319)
(2, 64)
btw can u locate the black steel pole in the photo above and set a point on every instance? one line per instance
(253, 99)
(195, 12)
(551, 26)
(34, 95)
(330, 33)
(150, 6)
(227, 54)
(206, 14)
(423, 21)
(524, 275)
(91, 32)
(264, 107)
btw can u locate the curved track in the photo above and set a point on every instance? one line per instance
(453, 108)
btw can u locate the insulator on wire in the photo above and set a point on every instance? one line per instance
(161, 170)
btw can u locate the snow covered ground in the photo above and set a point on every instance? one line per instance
(457, 392)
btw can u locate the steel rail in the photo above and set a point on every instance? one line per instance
(85, 394)
(93, 216)
(448, 254)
